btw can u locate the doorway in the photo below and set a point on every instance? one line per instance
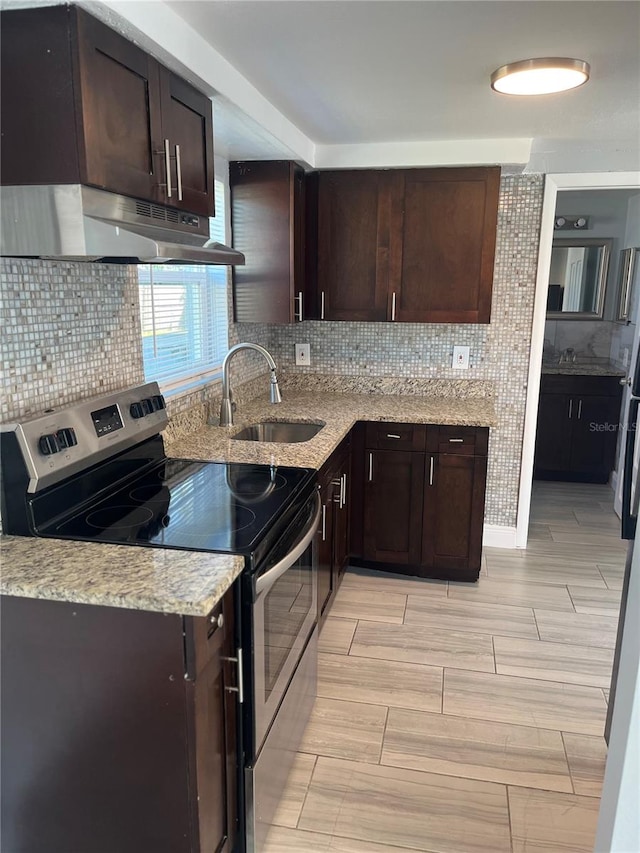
(554, 184)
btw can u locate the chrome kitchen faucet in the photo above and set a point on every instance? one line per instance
(227, 407)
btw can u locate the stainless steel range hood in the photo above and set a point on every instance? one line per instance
(74, 222)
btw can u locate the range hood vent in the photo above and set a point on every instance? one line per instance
(74, 222)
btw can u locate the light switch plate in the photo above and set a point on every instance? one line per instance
(303, 355)
(461, 358)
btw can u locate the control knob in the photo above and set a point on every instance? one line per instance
(67, 437)
(48, 444)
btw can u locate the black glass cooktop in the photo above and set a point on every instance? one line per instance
(201, 506)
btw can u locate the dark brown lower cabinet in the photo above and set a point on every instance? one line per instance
(118, 729)
(333, 537)
(578, 421)
(393, 496)
(422, 504)
(454, 513)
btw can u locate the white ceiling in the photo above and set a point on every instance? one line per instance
(375, 71)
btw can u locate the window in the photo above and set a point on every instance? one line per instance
(183, 313)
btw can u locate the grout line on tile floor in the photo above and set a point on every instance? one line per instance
(566, 758)
(306, 793)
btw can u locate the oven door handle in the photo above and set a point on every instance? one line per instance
(269, 578)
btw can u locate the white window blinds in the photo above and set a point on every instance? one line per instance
(183, 313)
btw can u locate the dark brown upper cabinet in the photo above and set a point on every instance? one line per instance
(82, 104)
(407, 245)
(353, 245)
(444, 245)
(268, 225)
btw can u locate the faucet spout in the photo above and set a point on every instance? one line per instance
(226, 407)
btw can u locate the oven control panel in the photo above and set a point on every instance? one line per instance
(62, 442)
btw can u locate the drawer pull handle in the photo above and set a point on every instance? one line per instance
(393, 307)
(456, 440)
(570, 408)
(371, 467)
(393, 435)
(322, 304)
(431, 472)
(579, 409)
(324, 522)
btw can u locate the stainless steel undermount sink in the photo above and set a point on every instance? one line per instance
(282, 432)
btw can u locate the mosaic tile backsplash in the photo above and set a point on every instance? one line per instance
(69, 330)
(499, 351)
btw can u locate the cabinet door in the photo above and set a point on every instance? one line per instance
(454, 511)
(215, 724)
(120, 128)
(325, 545)
(553, 438)
(187, 128)
(443, 245)
(353, 244)
(393, 497)
(267, 220)
(593, 435)
(341, 524)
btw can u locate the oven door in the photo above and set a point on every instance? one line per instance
(284, 613)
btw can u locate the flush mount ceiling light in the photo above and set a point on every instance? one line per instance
(540, 76)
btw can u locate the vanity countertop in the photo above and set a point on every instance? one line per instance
(585, 369)
(339, 413)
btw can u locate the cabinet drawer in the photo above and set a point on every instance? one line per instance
(597, 386)
(466, 441)
(390, 436)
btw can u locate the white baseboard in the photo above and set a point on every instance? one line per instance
(498, 536)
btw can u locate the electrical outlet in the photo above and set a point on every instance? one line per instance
(461, 358)
(303, 355)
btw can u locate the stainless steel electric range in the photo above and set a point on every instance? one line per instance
(97, 471)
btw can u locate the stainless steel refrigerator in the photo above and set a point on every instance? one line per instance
(629, 517)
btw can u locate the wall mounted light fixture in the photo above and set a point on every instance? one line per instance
(571, 223)
(540, 76)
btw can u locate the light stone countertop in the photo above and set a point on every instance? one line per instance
(339, 412)
(188, 583)
(577, 369)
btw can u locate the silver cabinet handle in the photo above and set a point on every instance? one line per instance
(456, 440)
(431, 472)
(179, 172)
(370, 467)
(338, 498)
(570, 407)
(343, 491)
(298, 299)
(324, 522)
(239, 689)
(579, 409)
(393, 435)
(167, 165)
(393, 306)
(322, 304)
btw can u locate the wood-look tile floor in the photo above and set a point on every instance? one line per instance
(467, 718)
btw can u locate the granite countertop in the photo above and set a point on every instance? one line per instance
(339, 413)
(577, 369)
(189, 583)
